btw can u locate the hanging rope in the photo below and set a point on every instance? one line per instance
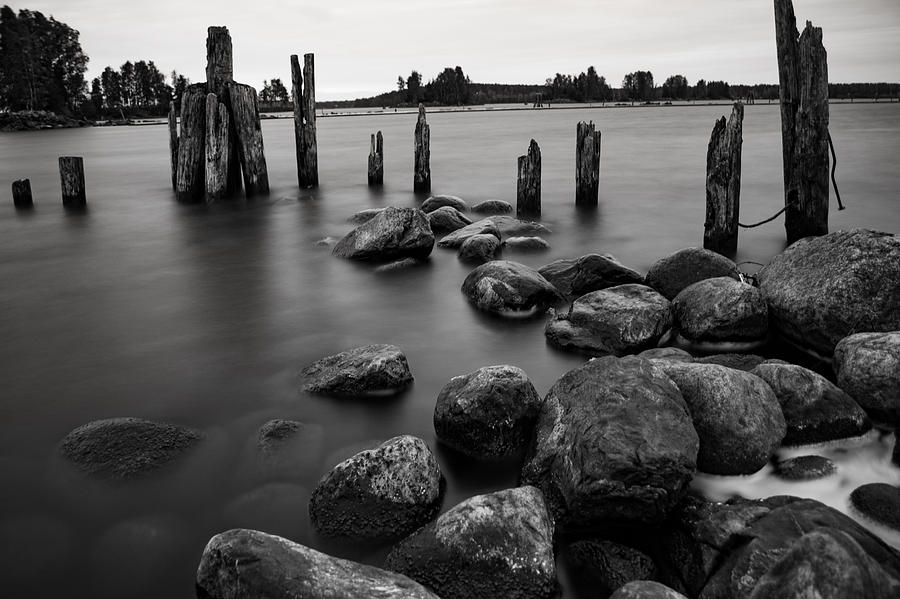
(762, 222)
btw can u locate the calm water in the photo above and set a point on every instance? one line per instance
(204, 315)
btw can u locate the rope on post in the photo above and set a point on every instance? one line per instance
(762, 222)
(833, 167)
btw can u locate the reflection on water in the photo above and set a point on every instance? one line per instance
(203, 316)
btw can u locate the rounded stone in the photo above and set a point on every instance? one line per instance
(440, 201)
(805, 467)
(446, 219)
(592, 272)
(479, 248)
(880, 502)
(391, 234)
(721, 310)
(493, 207)
(510, 289)
(671, 274)
(646, 589)
(526, 244)
(868, 368)
(362, 371)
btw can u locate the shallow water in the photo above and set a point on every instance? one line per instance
(204, 315)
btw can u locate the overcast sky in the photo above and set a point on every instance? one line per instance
(362, 46)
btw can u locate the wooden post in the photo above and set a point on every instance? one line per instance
(71, 175)
(587, 164)
(304, 88)
(219, 60)
(422, 173)
(245, 112)
(803, 92)
(528, 188)
(376, 160)
(190, 175)
(216, 149)
(21, 193)
(723, 184)
(173, 144)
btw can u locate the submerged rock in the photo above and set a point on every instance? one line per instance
(618, 320)
(736, 415)
(719, 310)
(379, 494)
(367, 370)
(880, 502)
(513, 227)
(805, 467)
(401, 265)
(494, 545)
(614, 442)
(126, 447)
(675, 272)
(576, 276)
(510, 289)
(447, 219)
(489, 413)
(493, 207)
(868, 368)
(364, 216)
(441, 201)
(479, 248)
(248, 563)
(526, 244)
(814, 409)
(391, 234)
(822, 289)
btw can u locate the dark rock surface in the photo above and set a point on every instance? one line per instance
(391, 234)
(609, 565)
(382, 493)
(745, 362)
(489, 413)
(646, 589)
(667, 353)
(614, 442)
(618, 320)
(510, 226)
(479, 248)
(868, 368)
(493, 207)
(822, 289)
(815, 410)
(509, 288)
(671, 274)
(441, 201)
(721, 309)
(878, 501)
(736, 415)
(248, 563)
(494, 545)
(805, 467)
(447, 219)
(126, 447)
(361, 371)
(576, 276)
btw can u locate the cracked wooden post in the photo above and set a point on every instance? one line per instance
(528, 187)
(21, 193)
(190, 172)
(803, 92)
(376, 160)
(304, 95)
(422, 172)
(723, 184)
(245, 114)
(217, 130)
(587, 164)
(173, 144)
(219, 73)
(71, 175)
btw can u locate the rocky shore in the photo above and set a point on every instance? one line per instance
(670, 387)
(29, 120)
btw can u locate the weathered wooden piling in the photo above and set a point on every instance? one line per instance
(422, 172)
(528, 188)
(803, 90)
(219, 60)
(21, 193)
(376, 160)
(71, 175)
(217, 130)
(190, 171)
(245, 112)
(173, 144)
(723, 183)
(587, 164)
(304, 88)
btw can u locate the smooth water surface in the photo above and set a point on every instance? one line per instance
(203, 316)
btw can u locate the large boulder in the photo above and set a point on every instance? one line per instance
(489, 413)
(868, 368)
(822, 289)
(391, 234)
(493, 207)
(576, 276)
(362, 371)
(479, 248)
(444, 201)
(447, 219)
(736, 414)
(671, 274)
(382, 493)
(815, 410)
(480, 227)
(120, 448)
(494, 545)
(247, 563)
(619, 320)
(721, 312)
(724, 550)
(614, 442)
(509, 288)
